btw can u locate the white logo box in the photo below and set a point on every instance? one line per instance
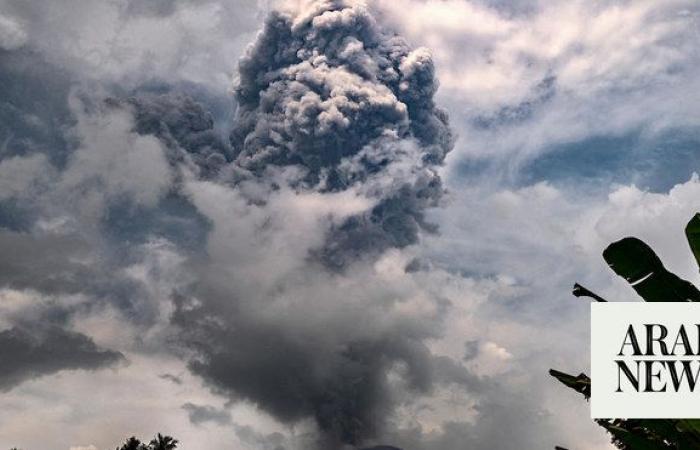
(610, 324)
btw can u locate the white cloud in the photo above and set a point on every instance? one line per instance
(117, 41)
(657, 218)
(12, 35)
(522, 250)
(112, 162)
(589, 47)
(615, 67)
(23, 177)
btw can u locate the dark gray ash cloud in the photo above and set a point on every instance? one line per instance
(170, 377)
(201, 414)
(345, 390)
(184, 125)
(261, 441)
(382, 447)
(336, 104)
(34, 112)
(45, 263)
(333, 92)
(328, 103)
(32, 352)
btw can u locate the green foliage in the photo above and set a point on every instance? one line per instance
(633, 260)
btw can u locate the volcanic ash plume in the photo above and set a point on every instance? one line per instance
(303, 306)
(330, 91)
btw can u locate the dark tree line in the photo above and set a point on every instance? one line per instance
(159, 442)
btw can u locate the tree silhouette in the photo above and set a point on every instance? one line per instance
(633, 260)
(132, 444)
(161, 442)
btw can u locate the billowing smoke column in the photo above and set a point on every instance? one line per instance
(332, 92)
(286, 313)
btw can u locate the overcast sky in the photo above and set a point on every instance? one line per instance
(328, 224)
